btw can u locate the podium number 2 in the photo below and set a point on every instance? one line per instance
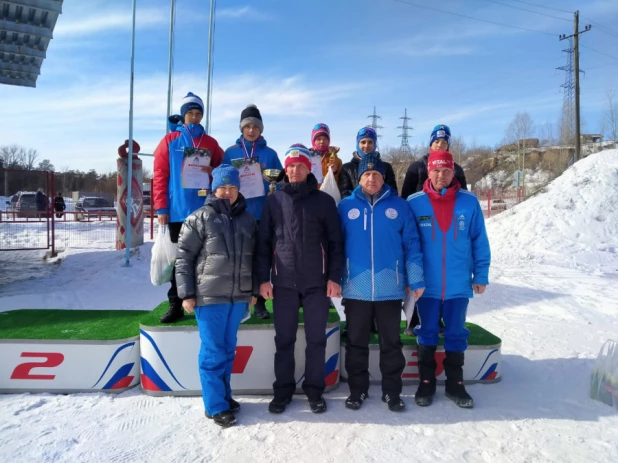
(52, 359)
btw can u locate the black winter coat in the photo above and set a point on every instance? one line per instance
(59, 204)
(417, 175)
(216, 260)
(348, 179)
(300, 241)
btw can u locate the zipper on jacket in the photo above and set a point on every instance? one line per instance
(365, 221)
(397, 271)
(275, 254)
(323, 260)
(233, 227)
(348, 267)
(443, 265)
(373, 285)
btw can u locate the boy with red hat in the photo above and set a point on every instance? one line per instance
(456, 258)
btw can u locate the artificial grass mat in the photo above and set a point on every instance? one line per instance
(107, 325)
(78, 325)
(152, 319)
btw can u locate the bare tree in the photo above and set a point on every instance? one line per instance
(30, 157)
(609, 124)
(457, 147)
(400, 159)
(519, 132)
(13, 156)
(546, 134)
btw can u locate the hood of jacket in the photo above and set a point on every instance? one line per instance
(174, 121)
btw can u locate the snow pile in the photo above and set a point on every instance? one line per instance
(572, 222)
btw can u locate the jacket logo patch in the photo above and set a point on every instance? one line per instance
(424, 218)
(391, 213)
(353, 214)
(462, 222)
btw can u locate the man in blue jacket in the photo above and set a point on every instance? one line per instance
(383, 259)
(456, 258)
(251, 156)
(300, 250)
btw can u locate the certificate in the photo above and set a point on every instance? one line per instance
(251, 181)
(195, 172)
(316, 168)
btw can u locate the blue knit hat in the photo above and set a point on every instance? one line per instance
(370, 161)
(366, 132)
(440, 131)
(225, 175)
(190, 102)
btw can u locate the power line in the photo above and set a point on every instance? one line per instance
(529, 11)
(599, 52)
(601, 27)
(472, 17)
(542, 6)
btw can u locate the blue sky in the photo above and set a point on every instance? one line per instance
(303, 63)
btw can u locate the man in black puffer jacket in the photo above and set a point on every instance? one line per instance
(348, 179)
(216, 266)
(301, 251)
(416, 176)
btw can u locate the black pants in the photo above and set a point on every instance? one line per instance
(172, 294)
(359, 316)
(286, 304)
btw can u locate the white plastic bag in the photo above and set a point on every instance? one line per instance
(163, 257)
(408, 308)
(330, 186)
(604, 378)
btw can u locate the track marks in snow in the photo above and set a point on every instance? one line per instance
(38, 404)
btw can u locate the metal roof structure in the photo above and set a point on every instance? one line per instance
(26, 27)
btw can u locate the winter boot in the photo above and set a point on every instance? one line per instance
(278, 404)
(455, 390)
(355, 401)
(318, 405)
(224, 419)
(234, 406)
(395, 404)
(427, 375)
(174, 314)
(260, 309)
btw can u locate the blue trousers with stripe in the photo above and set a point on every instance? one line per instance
(218, 326)
(453, 313)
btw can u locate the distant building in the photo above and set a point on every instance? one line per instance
(591, 138)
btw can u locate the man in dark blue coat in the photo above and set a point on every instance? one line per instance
(300, 249)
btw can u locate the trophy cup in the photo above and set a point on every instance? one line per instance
(271, 175)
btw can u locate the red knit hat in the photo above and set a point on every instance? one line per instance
(439, 158)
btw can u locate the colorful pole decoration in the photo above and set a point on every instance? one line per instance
(130, 213)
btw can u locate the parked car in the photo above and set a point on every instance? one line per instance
(24, 203)
(94, 206)
(146, 202)
(498, 205)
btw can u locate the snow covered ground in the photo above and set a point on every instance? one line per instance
(551, 300)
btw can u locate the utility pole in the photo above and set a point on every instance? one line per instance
(575, 36)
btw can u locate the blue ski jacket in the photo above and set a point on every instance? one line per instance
(456, 254)
(382, 247)
(268, 160)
